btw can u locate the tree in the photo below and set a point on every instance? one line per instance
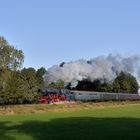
(14, 89)
(28, 85)
(22, 87)
(10, 59)
(39, 75)
(58, 84)
(125, 82)
(29, 76)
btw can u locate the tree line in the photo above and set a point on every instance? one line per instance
(123, 83)
(17, 85)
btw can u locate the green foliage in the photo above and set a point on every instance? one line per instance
(13, 93)
(58, 84)
(11, 60)
(17, 86)
(30, 85)
(22, 87)
(125, 83)
(4, 77)
(28, 75)
(10, 57)
(39, 75)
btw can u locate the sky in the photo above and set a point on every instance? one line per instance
(52, 31)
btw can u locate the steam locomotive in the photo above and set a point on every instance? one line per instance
(58, 95)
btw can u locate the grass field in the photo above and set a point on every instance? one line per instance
(116, 122)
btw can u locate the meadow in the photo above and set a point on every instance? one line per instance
(98, 121)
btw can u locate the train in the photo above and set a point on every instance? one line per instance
(103, 96)
(60, 95)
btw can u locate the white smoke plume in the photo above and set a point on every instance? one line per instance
(102, 67)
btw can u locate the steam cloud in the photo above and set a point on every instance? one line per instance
(102, 67)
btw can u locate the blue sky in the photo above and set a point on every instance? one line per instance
(52, 31)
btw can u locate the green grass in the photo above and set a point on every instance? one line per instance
(108, 123)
